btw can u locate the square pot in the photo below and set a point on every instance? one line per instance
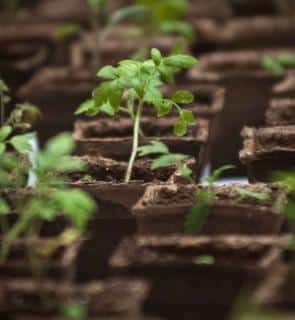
(113, 298)
(169, 263)
(163, 210)
(281, 113)
(248, 93)
(115, 199)
(267, 150)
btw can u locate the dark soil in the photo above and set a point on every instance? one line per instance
(281, 113)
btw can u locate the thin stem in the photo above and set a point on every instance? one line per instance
(136, 131)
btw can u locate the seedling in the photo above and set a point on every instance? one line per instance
(204, 260)
(74, 311)
(199, 213)
(50, 197)
(279, 65)
(259, 196)
(134, 85)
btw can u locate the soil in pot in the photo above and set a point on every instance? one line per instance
(163, 210)
(267, 150)
(286, 88)
(173, 265)
(113, 220)
(113, 139)
(281, 112)
(248, 92)
(110, 299)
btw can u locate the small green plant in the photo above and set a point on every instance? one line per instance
(279, 65)
(74, 311)
(134, 85)
(259, 196)
(205, 197)
(204, 260)
(50, 197)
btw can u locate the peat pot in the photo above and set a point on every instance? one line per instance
(248, 93)
(281, 112)
(163, 210)
(183, 285)
(114, 198)
(115, 299)
(267, 150)
(238, 33)
(57, 92)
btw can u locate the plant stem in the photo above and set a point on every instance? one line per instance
(136, 131)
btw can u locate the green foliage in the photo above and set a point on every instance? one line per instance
(141, 82)
(204, 260)
(279, 65)
(74, 311)
(260, 196)
(51, 195)
(198, 215)
(87, 178)
(67, 30)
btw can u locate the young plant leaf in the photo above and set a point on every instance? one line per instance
(108, 73)
(185, 172)
(5, 131)
(197, 217)
(182, 96)
(167, 160)
(261, 196)
(156, 56)
(218, 172)
(180, 128)
(205, 260)
(74, 311)
(21, 143)
(273, 66)
(181, 61)
(155, 147)
(88, 108)
(188, 117)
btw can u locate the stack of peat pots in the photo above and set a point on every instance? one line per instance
(138, 260)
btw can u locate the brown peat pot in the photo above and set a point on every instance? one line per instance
(26, 46)
(243, 33)
(184, 288)
(110, 299)
(163, 209)
(57, 92)
(115, 199)
(248, 92)
(113, 138)
(61, 266)
(286, 88)
(277, 291)
(267, 150)
(281, 112)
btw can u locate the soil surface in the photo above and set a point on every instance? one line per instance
(281, 113)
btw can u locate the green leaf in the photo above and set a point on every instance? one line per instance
(183, 96)
(163, 106)
(287, 60)
(2, 148)
(108, 109)
(66, 30)
(261, 196)
(188, 117)
(167, 72)
(156, 56)
(127, 12)
(273, 66)
(185, 172)
(180, 128)
(204, 259)
(108, 72)
(4, 207)
(21, 143)
(180, 61)
(197, 217)
(180, 27)
(74, 311)
(168, 160)
(5, 131)
(61, 145)
(3, 86)
(218, 172)
(155, 147)
(88, 107)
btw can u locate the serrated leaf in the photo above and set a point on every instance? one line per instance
(5, 131)
(21, 143)
(108, 73)
(156, 56)
(168, 160)
(108, 109)
(180, 61)
(87, 107)
(155, 147)
(197, 217)
(180, 128)
(188, 117)
(182, 96)
(163, 106)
